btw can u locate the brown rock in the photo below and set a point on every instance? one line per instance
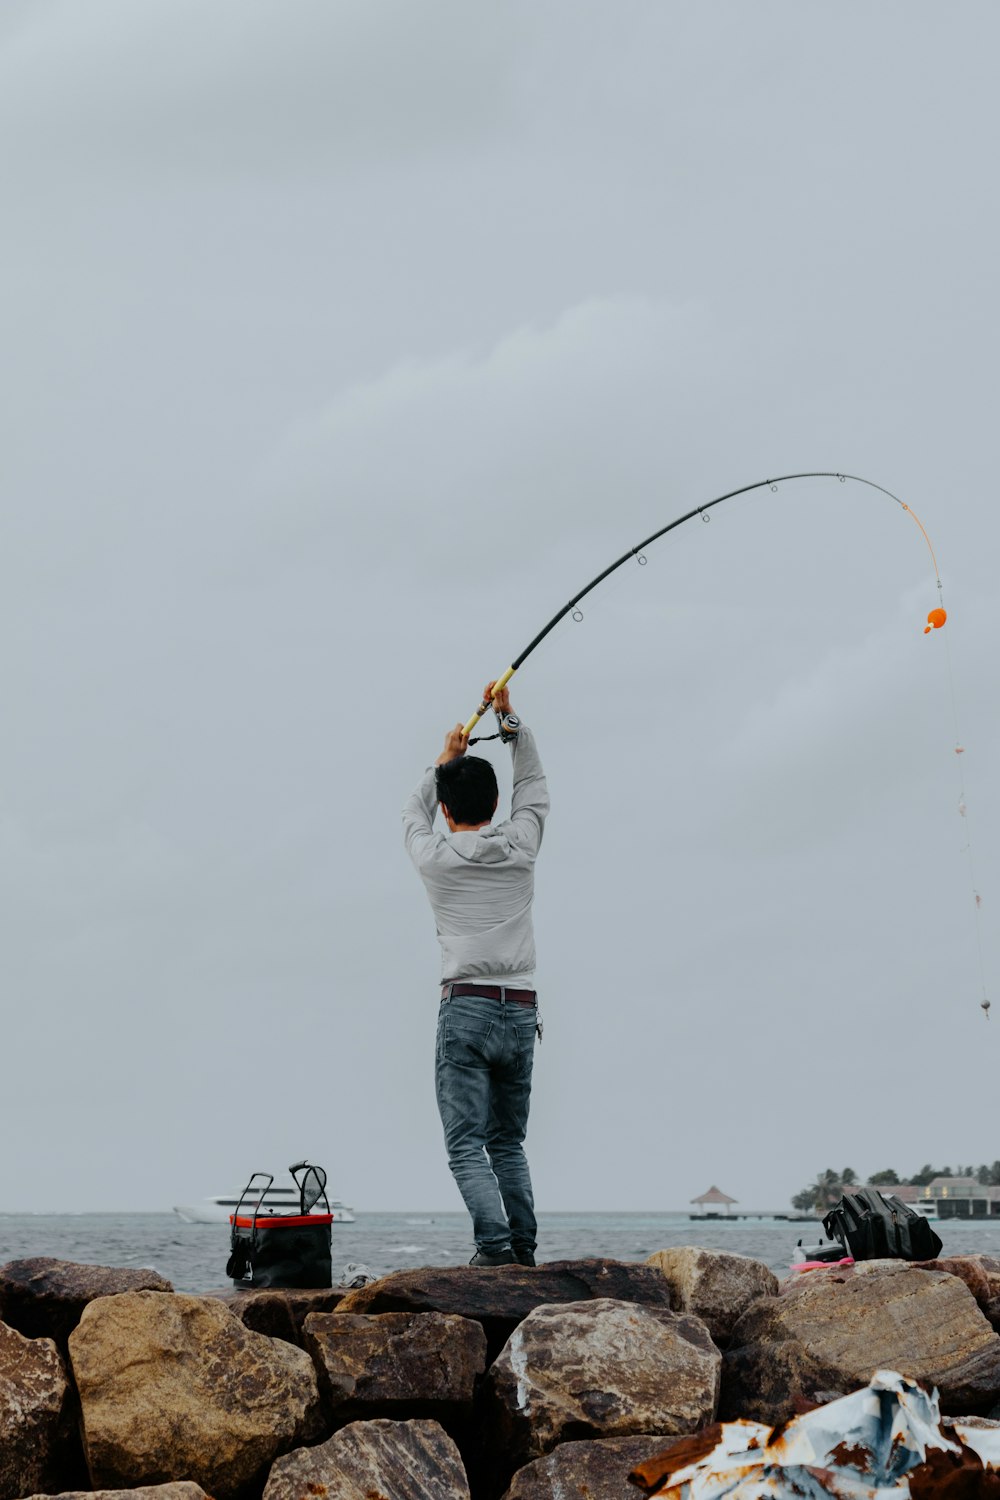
(174, 1387)
(500, 1298)
(34, 1414)
(376, 1460)
(981, 1274)
(597, 1470)
(830, 1331)
(715, 1285)
(183, 1489)
(601, 1369)
(280, 1312)
(396, 1364)
(45, 1298)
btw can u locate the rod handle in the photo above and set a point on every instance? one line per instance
(486, 704)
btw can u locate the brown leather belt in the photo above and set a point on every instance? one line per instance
(488, 992)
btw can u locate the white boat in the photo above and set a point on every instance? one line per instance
(276, 1200)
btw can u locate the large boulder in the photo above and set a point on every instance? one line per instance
(830, 1331)
(715, 1285)
(175, 1387)
(35, 1407)
(499, 1298)
(596, 1470)
(281, 1312)
(373, 1461)
(182, 1489)
(600, 1369)
(396, 1364)
(981, 1274)
(45, 1298)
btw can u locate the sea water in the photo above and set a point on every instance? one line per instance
(193, 1256)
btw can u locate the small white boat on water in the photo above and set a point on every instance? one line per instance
(276, 1200)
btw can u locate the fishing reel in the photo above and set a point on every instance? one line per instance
(509, 724)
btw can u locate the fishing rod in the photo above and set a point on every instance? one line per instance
(935, 619)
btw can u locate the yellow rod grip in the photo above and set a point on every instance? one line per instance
(501, 682)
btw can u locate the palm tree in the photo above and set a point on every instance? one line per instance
(826, 1191)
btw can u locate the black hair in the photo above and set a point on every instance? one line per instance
(468, 788)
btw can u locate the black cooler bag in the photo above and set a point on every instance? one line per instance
(289, 1250)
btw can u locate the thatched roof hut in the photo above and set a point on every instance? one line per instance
(715, 1199)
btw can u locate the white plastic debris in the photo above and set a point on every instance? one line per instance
(355, 1274)
(860, 1447)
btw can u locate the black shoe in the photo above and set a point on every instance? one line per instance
(524, 1257)
(502, 1258)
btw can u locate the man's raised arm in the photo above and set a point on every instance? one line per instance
(529, 803)
(421, 805)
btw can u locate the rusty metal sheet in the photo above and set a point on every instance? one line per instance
(880, 1443)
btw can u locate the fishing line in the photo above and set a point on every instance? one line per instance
(977, 900)
(935, 620)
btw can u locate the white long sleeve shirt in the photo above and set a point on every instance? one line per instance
(481, 883)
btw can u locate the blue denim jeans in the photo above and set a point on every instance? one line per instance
(485, 1049)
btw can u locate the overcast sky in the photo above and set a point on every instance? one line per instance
(342, 341)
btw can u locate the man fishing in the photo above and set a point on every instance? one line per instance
(480, 881)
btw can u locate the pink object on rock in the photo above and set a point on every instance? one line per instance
(822, 1265)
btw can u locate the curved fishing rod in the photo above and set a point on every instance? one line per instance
(936, 618)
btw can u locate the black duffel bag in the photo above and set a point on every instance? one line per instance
(290, 1250)
(879, 1226)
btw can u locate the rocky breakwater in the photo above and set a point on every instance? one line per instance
(41, 1302)
(501, 1300)
(828, 1331)
(527, 1383)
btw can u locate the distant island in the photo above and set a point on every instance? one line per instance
(967, 1192)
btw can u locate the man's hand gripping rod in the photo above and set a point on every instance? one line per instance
(487, 703)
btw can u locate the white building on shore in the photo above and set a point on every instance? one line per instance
(953, 1197)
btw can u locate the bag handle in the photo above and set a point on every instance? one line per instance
(305, 1186)
(256, 1211)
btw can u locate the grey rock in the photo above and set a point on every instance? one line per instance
(375, 1460)
(498, 1299)
(280, 1312)
(715, 1285)
(600, 1369)
(981, 1274)
(596, 1470)
(396, 1364)
(183, 1489)
(34, 1414)
(830, 1331)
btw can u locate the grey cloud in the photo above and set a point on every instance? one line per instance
(538, 431)
(199, 91)
(341, 345)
